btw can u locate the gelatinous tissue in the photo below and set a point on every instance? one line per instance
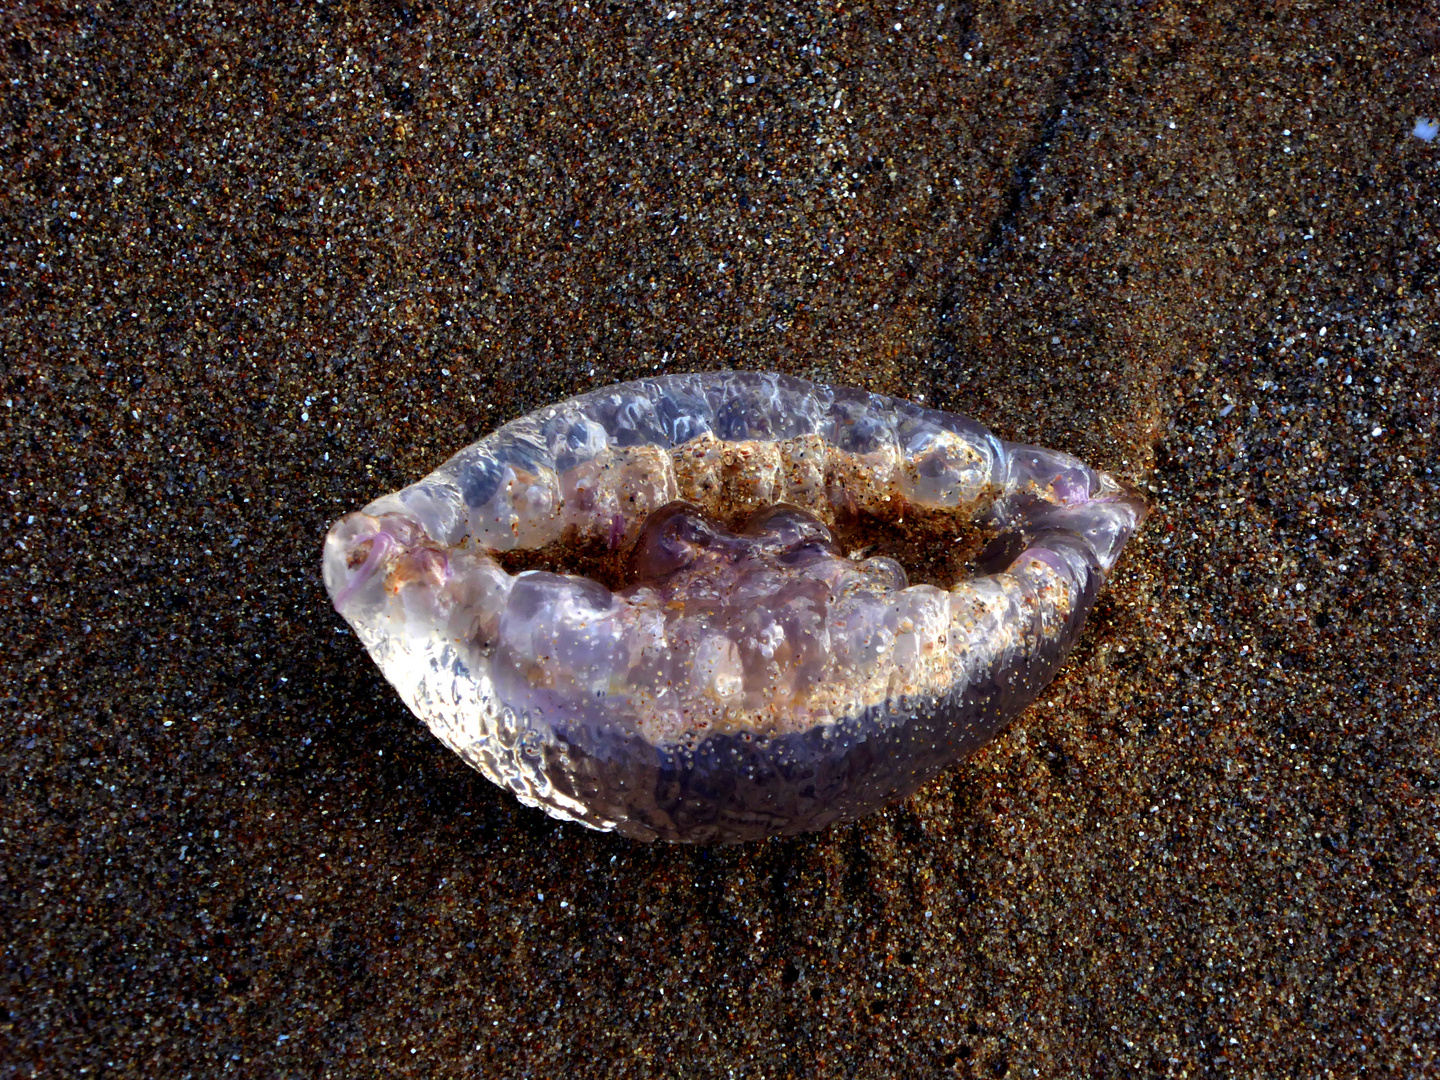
(727, 606)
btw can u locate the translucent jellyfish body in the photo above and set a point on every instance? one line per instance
(727, 606)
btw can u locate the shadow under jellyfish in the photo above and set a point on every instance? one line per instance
(727, 606)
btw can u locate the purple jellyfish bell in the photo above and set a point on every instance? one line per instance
(727, 606)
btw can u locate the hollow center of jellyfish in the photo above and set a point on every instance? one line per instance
(681, 545)
(934, 548)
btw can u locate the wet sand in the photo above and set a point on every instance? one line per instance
(257, 268)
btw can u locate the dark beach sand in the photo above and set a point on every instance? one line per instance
(258, 267)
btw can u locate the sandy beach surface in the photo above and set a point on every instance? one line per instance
(261, 264)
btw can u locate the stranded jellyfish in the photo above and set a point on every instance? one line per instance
(727, 606)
